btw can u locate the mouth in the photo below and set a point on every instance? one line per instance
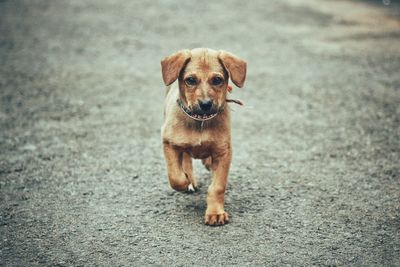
(196, 116)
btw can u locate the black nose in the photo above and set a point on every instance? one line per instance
(205, 105)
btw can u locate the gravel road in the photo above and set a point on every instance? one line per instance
(315, 178)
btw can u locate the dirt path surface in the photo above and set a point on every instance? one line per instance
(315, 178)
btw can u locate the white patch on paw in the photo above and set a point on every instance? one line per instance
(190, 188)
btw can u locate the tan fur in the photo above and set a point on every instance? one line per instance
(185, 138)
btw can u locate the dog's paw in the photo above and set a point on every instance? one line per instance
(191, 188)
(216, 219)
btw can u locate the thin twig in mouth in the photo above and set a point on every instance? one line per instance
(204, 117)
(194, 116)
(236, 101)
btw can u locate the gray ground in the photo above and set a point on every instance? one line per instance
(315, 178)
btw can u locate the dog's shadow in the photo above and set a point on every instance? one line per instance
(194, 204)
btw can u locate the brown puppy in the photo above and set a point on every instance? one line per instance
(197, 121)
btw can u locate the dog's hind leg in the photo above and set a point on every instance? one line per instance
(188, 169)
(207, 163)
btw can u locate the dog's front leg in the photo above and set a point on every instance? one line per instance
(215, 213)
(176, 176)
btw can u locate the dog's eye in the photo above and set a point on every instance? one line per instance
(191, 81)
(217, 81)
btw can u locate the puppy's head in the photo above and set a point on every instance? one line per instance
(203, 78)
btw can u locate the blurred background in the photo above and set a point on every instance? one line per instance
(315, 173)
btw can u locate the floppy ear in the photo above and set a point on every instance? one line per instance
(235, 66)
(171, 66)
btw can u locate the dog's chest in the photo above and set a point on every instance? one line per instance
(182, 136)
(198, 146)
(199, 152)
